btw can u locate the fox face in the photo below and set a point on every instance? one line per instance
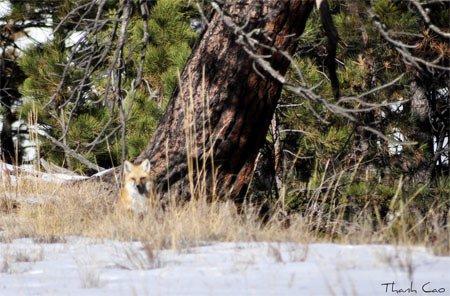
(136, 186)
(137, 177)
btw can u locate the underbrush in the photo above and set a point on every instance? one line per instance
(49, 212)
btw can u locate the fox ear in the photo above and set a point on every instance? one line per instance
(145, 165)
(127, 166)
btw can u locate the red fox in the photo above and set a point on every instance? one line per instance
(136, 187)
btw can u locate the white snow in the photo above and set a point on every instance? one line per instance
(5, 8)
(396, 147)
(37, 35)
(87, 267)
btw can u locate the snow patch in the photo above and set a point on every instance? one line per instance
(86, 266)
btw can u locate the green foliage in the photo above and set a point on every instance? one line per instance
(144, 114)
(170, 38)
(396, 16)
(331, 149)
(44, 67)
(79, 119)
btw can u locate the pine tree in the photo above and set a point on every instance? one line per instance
(82, 117)
(318, 143)
(17, 18)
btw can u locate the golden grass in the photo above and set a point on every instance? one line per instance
(87, 209)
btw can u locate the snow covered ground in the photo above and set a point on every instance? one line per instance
(87, 267)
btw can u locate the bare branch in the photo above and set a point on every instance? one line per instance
(402, 48)
(67, 150)
(427, 19)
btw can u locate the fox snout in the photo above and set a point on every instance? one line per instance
(142, 188)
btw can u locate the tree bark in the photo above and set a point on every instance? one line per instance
(223, 104)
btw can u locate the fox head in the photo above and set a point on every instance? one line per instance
(137, 177)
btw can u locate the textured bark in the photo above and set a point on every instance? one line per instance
(240, 102)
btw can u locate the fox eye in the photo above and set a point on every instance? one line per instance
(133, 179)
(142, 179)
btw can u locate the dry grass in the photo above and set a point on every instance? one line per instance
(87, 209)
(146, 259)
(89, 275)
(11, 257)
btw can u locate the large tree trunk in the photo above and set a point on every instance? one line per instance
(231, 103)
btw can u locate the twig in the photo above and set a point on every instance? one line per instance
(69, 151)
